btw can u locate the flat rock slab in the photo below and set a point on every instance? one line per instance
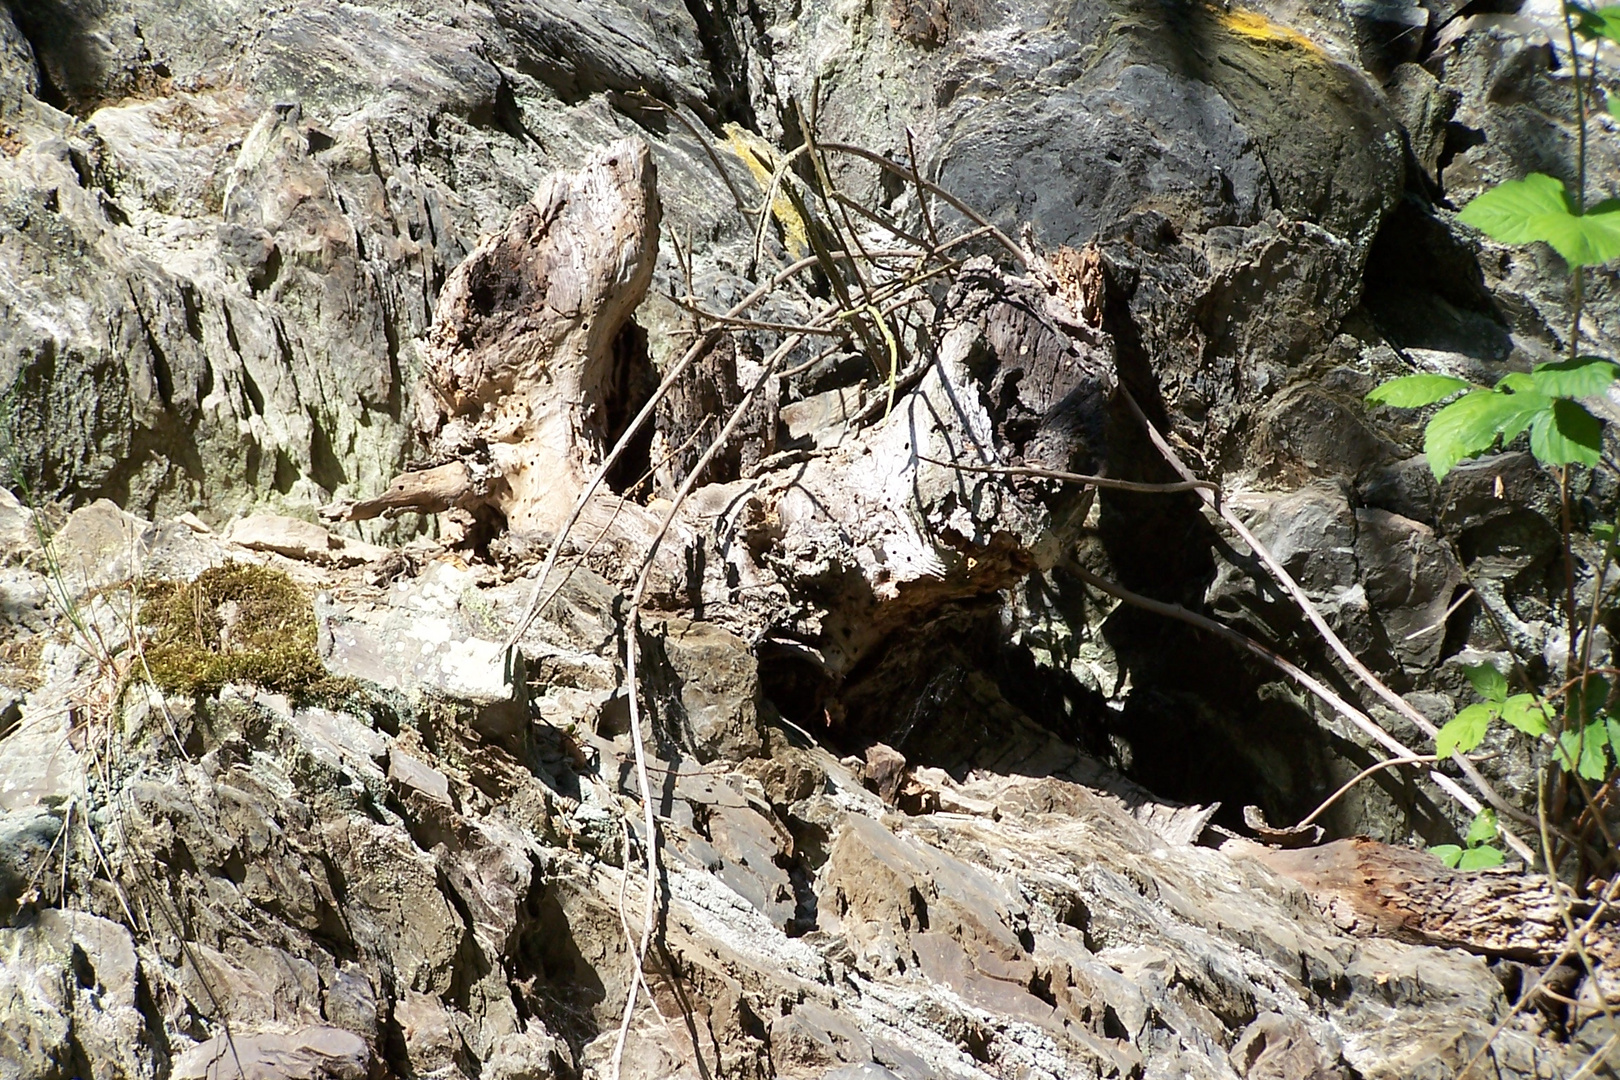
(297, 539)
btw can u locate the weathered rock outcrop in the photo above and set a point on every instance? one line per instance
(266, 260)
(426, 876)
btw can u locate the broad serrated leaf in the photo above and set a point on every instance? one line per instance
(1592, 23)
(1412, 391)
(1581, 377)
(1523, 712)
(1482, 830)
(1538, 208)
(1587, 749)
(1464, 731)
(1450, 854)
(1480, 858)
(1488, 682)
(1466, 428)
(1526, 406)
(1591, 239)
(1586, 699)
(1513, 212)
(1566, 435)
(1613, 727)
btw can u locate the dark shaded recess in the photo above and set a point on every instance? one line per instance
(926, 692)
(793, 681)
(1425, 289)
(325, 467)
(632, 380)
(1194, 727)
(1200, 724)
(727, 63)
(1459, 139)
(1159, 545)
(507, 114)
(62, 54)
(551, 980)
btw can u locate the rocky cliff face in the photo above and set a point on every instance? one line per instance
(432, 869)
(931, 807)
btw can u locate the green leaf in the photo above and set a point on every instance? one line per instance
(1614, 106)
(1586, 747)
(1581, 377)
(1523, 712)
(1464, 731)
(1586, 700)
(1566, 435)
(1528, 406)
(1488, 682)
(1482, 830)
(1614, 736)
(1592, 23)
(1450, 854)
(1480, 858)
(1412, 391)
(1538, 208)
(1466, 428)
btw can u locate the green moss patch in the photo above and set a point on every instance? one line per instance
(235, 623)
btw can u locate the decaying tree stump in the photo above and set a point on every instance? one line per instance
(520, 382)
(856, 524)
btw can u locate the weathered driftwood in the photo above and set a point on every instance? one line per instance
(429, 491)
(523, 382)
(860, 529)
(1372, 889)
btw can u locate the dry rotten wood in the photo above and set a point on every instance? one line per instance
(524, 375)
(1373, 889)
(429, 491)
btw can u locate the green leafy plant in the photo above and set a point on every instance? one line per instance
(1466, 730)
(1547, 408)
(1544, 402)
(1476, 852)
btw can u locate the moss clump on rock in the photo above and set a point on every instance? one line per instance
(234, 623)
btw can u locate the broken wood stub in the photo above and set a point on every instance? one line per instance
(522, 381)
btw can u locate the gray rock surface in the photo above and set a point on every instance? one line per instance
(377, 885)
(224, 232)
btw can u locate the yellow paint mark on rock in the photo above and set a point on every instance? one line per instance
(1256, 27)
(763, 161)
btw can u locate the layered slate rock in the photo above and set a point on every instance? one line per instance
(380, 884)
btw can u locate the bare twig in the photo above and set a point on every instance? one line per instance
(1293, 671)
(909, 174)
(1079, 478)
(637, 742)
(1387, 763)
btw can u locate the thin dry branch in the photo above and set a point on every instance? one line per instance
(1293, 671)
(1351, 661)
(1079, 478)
(1527, 997)
(637, 742)
(909, 174)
